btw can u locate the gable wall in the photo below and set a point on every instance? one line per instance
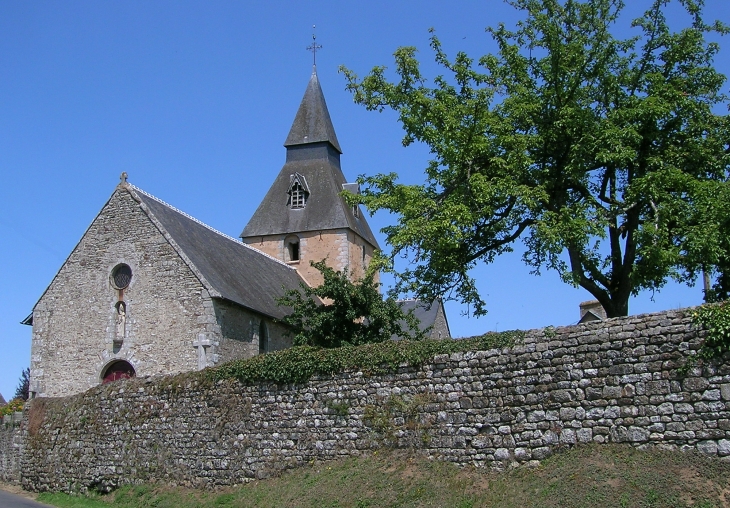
(440, 328)
(74, 323)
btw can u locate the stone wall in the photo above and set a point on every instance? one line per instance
(239, 329)
(614, 381)
(11, 448)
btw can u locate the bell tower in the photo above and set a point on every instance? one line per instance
(303, 218)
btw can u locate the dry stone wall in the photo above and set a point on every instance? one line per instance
(11, 448)
(615, 381)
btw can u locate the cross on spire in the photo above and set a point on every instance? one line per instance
(314, 47)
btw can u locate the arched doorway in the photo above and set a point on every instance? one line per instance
(116, 371)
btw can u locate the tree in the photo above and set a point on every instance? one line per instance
(353, 313)
(593, 152)
(23, 389)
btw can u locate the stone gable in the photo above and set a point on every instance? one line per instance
(74, 322)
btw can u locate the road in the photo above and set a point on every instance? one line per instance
(8, 500)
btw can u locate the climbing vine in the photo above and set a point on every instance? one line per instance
(715, 318)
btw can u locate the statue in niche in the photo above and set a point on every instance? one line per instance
(121, 321)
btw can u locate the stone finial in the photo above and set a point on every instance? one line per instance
(123, 177)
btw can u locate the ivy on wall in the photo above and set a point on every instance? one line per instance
(715, 318)
(299, 364)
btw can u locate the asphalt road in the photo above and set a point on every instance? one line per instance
(8, 500)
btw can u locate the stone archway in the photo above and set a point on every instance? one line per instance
(117, 370)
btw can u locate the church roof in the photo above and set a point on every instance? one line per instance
(313, 153)
(325, 208)
(425, 313)
(228, 268)
(312, 123)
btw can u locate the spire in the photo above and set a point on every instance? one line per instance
(312, 123)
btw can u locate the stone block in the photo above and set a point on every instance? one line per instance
(695, 384)
(723, 447)
(707, 447)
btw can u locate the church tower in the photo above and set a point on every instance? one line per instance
(303, 218)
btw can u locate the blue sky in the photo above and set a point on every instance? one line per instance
(194, 101)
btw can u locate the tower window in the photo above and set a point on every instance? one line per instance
(298, 192)
(292, 248)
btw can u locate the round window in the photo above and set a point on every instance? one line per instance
(121, 276)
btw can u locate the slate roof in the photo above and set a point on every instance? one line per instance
(229, 268)
(314, 152)
(425, 314)
(2, 400)
(324, 209)
(312, 123)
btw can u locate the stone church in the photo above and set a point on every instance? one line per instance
(150, 290)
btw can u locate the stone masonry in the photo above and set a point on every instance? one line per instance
(11, 448)
(168, 310)
(612, 381)
(342, 249)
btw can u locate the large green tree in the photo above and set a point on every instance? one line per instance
(342, 312)
(595, 153)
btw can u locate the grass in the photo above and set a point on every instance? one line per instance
(602, 476)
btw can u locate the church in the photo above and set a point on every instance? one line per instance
(150, 290)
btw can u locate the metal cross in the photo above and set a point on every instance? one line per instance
(314, 47)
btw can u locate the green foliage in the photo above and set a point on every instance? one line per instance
(601, 155)
(300, 363)
(12, 407)
(23, 389)
(340, 312)
(715, 318)
(397, 422)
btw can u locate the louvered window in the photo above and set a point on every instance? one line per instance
(298, 196)
(298, 192)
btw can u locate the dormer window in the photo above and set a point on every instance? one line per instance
(298, 191)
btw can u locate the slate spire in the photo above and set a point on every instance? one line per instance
(312, 159)
(312, 123)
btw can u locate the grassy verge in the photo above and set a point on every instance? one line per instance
(590, 476)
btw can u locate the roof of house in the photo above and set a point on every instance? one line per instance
(229, 268)
(313, 153)
(2, 400)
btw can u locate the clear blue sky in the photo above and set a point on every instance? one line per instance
(194, 101)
